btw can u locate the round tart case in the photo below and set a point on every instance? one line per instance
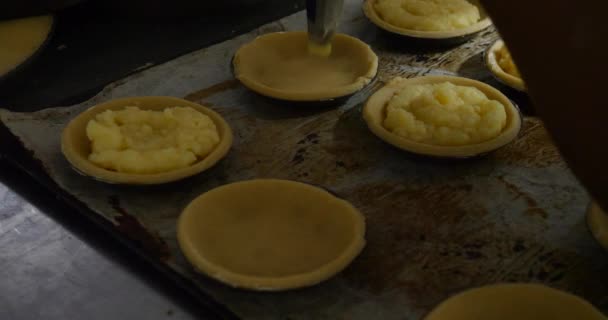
(76, 146)
(597, 220)
(21, 40)
(498, 73)
(270, 234)
(446, 37)
(515, 301)
(374, 113)
(278, 65)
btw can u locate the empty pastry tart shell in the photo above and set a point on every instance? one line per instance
(251, 60)
(28, 36)
(521, 301)
(270, 235)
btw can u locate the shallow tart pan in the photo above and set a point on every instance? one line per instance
(374, 113)
(498, 73)
(435, 38)
(515, 301)
(278, 66)
(21, 40)
(270, 235)
(76, 146)
(597, 221)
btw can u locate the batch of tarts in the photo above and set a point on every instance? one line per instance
(224, 232)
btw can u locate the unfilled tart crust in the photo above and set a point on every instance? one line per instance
(270, 234)
(278, 65)
(515, 302)
(597, 220)
(76, 146)
(502, 76)
(20, 39)
(372, 15)
(374, 113)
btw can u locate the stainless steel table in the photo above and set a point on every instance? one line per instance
(49, 269)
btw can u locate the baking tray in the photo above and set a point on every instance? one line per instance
(434, 227)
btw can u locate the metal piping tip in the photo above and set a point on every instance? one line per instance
(323, 17)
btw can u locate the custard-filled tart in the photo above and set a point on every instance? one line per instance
(110, 143)
(498, 60)
(439, 20)
(442, 116)
(597, 220)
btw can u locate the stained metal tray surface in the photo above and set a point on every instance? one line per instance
(433, 227)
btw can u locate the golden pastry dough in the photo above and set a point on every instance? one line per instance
(375, 111)
(370, 9)
(597, 220)
(492, 57)
(515, 302)
(270, 234)
(76, 146)
(506, 63)
(20, 39)
(279, 65)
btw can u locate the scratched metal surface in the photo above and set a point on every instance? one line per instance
(434, 228)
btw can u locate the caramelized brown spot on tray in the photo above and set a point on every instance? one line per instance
(533, 207)
(431, 241)
(418, 236)
(214, 89)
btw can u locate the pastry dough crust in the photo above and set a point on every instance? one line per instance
(502, 76)
(76, 146)
(515, 301)
(372, 15)
(20, 39)
(374, 113)
(597, 220)
(279, 65)
(270, 234)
